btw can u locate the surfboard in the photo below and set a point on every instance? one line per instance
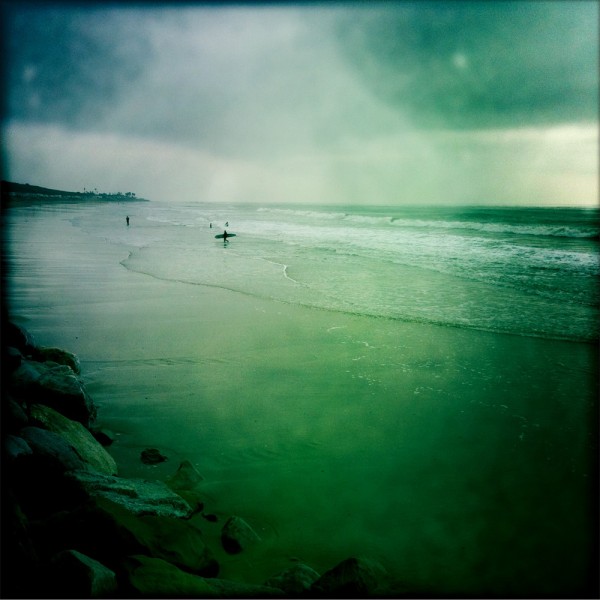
(220, 236)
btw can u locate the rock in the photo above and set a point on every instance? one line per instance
(19, 338)
(139, 496)
(16, 418)
(75, 434)
(16, 447)
(20, 560)
(173, 540)
(186, 477)
(59, 356)
(56, 386)
(108, 531)
(76, 575)
(154, 577)
(224, 588)
(52, 450)
(294, 581)
(353, 577)
(237, 535)
(13, 358)
(38, 478)
(103, 436)
(28, 373)
(211, 518)
(152, 456)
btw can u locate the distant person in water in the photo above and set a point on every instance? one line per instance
(127, 220)
(210, 225)
(227, 224)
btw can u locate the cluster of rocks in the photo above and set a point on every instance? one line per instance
(73, 528)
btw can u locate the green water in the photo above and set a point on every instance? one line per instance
(461, 460)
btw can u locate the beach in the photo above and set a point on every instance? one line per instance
(460, 458)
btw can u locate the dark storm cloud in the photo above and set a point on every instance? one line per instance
(69, 66)
(444, 65)
(474, 64)
(437, 102)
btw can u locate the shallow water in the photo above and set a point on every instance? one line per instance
(461, 459)
(520, 271)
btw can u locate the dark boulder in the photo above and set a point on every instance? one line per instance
(52, 451)
(138, 496)
(59, 356)
(16, 447)
(14, 415)
(352, 578)
(294, 581)
(108, 532)
(56, 386)
(75, 575)
(75, 434)
(13, 358)
(186, 478)
(150, 577)
(176, 541)
(225, 588)
(21, 563)
(38, 478)
(237, 535)
(152, 456)
(18, 337)
(103, 436)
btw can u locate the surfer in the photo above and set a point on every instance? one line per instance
(127, 219)
(225, 234)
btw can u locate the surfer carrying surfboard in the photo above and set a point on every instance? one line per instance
(224, 236)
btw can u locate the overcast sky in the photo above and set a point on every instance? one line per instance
(391, 103)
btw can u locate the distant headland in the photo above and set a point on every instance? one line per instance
(26, 191)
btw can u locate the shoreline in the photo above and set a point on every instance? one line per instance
(43, 387)
(223, 380)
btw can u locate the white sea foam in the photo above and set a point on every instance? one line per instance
(485, 270)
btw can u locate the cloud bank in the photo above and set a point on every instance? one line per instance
(491, 103)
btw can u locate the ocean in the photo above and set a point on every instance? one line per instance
(414, 384)
(528, 271)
